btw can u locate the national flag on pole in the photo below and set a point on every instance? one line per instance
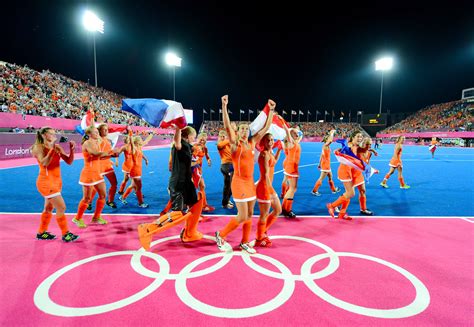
(276, 128)
(242, 111)
(230, 112)
(301, 113)
(342, 113)
(212, 111)
(359, 112)
(204, 111)
(326, 112)
(158, 113)
(285, 113)
(309, 112)
(317, 112)
(220, 111)
(293, 112)
(114, 132)
(251, 111)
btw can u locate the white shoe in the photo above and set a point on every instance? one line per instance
(316, 193)
(222, 245)
(336, 190)
(247, 248)
(337, 210)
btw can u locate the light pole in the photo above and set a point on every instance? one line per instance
(93, 24)
(383, 64)
(175, 61)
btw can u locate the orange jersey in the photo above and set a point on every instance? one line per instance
(91, 173)
(105, 163)
(137, 157)
(292, 160)
(128, 162)
(396, 160)
(199, 151)
(264, 191)
(243, 188)
(224, 151)
(325, 159)
(49, 181)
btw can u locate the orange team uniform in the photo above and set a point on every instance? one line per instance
(396, 160)
(106, 164)
(433, 145)
(91, 173)
(347, 173)
(292, 160)
(224, 151)
(325, 160)
(136, 170)
(264, 191)
(243, 187)
(49, 181)
(128, 162)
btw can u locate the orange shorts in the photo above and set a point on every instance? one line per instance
(325, 166)
(90, 177)
(349, 174)
(290, 169)
(395, 163)
(264, 192)
(49, 187)
(107, 167)
(126, 167)
(243, 190)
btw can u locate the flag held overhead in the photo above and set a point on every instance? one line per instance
(158, 113)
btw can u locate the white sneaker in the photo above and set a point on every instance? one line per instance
(316, 193)
(336, 190)
(337, 210)
(247, 248)
(222, 245)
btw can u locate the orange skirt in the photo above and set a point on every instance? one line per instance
(264, 192)
(243, 190)
(49, 187)
(349, 174)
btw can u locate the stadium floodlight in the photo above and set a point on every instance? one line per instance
(92, 23)
(173, 60)
(383, 64)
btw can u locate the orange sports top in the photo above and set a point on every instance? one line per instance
(224, 151)
(242, 160)
(53, 170)
(271, 166)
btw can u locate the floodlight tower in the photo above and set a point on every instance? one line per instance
(383, 64)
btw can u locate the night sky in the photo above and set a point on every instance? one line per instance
(303, 58)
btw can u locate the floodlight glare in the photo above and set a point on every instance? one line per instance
(92, 22)
(384, 64)
(173, 60)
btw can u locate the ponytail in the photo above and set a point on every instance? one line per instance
(39, 139)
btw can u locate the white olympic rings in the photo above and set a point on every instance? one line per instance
(419, 304)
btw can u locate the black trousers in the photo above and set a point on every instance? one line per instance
(228, 171)
(182, 194)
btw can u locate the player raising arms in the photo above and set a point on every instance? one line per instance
(49, 182)
(243, 187)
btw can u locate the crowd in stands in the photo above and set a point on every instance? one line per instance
(29, 92)
(309, 129)
(448, 117)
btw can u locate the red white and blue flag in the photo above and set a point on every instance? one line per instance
(345, 156)
(158, 113)
(114, 132)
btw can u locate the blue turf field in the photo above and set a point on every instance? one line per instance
(439, 187)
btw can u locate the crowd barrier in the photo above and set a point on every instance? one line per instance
(461, 135)
(10, 120)
(13, 146)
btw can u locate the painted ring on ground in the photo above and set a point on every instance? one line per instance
(142, 270)
(331, 267)
(45, 304)
(188, 299)
(421, 302)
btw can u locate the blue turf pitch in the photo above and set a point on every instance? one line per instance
(439, 187)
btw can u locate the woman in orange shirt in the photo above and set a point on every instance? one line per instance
(292, 148)
(136, 172)
(91, 177)
(396, 163)
(49, 182)
(199, 152)
(127, 163)
(325, 165)
(266, 195)
(243, 187)
(351, 178)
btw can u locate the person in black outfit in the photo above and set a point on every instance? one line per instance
(181, 186)
(182, 194)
